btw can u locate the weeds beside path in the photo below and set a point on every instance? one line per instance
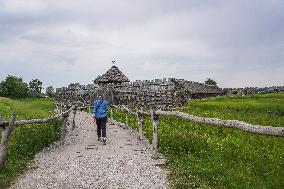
(26, 140)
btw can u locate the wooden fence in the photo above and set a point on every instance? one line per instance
(255, 129)
(7, 128)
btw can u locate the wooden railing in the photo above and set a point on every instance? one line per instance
(7, 128)
(255, 129)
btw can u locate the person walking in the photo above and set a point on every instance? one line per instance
(100, 116)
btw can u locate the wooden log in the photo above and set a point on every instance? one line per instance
(123, 107)
(155, 122)
(44, 120)
(63, 129)
(126, 120)
(5, 140)
(73, 120)
(140, 125)
(111, 114)
(2, 123)
(144, 113)
(255, 129)
(1, 120)
(89, 109)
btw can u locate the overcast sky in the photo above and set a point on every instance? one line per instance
(238, 43)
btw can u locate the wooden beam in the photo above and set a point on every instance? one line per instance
(126, 119)
(5, 140)
(63, 129)
(255, 129)
(73, 120)
(44, 120)
(140, 125)
(155, 122)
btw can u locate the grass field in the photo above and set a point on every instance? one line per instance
(26, 140)
(263, 109)
(203, 156)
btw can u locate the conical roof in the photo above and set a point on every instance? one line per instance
(113, 75)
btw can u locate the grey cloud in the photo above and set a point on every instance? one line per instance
(191, 39)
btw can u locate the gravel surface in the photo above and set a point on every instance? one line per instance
(84, 162)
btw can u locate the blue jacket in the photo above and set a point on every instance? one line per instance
(100, 108)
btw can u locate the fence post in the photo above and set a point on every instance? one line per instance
(5, 140)
(1, 120)
(126, 119)
(63, 128)
(139, 125)
(74, 114)
(89, 107)
(155, 122)
(111, 116)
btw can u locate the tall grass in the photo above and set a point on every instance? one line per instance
(263, 109)
(203, 156)
(26, 140)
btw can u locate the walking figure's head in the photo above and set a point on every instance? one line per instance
(100, 95)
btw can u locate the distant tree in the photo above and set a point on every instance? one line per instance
(210, 81)
(14, 87)
(50, 91)
(35, 87)
(97, 79)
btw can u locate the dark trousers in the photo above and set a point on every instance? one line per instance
(101, 126)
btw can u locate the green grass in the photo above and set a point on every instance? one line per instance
(26, 140)
(263, 109)
(203, 156)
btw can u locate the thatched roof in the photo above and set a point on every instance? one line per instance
(113, 75)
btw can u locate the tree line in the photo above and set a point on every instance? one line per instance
(15, 87)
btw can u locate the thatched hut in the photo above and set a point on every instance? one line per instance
(113, 75)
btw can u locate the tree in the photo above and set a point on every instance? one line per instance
(97, 79)
(13, 87)
(50, 91)
(210, 81)
(35, 87)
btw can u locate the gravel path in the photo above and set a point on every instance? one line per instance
(83, 162)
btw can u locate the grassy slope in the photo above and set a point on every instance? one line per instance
(214, 157)
(26, 140)
(264, 109)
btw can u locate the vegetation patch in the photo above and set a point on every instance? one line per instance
(26, 140)
(203, 156)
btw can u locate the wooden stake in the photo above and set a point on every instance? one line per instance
(5, 140)
(111, 114)
(63, 129)
(73, 122)
(126, 120)
(140, 125)
(155, 122)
